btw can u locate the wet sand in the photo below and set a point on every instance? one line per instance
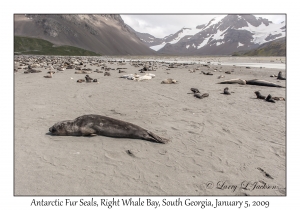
(217, 143)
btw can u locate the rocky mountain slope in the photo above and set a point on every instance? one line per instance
(272, 48)
(34, 46)
(223, 35)
(104, 34)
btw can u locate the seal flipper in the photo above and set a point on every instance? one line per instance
(156, 138)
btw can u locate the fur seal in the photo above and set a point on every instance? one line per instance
(269, 99)
(83, 72)
(32, 71)
(262, 83)
(91, 125)
(106, 73)
(195, 90)
(169, 81)
(206, 73)
(95, 80)
(80, 80)
(280, 76)
(259, 96)
(197, 95)
(226, 92)
(88, 78)
(234, 81)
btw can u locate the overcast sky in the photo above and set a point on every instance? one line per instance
(164, 25)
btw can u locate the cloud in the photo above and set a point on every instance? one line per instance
(273, 18)
(164, 25)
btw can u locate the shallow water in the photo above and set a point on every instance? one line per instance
(264, 65)
(196, 61)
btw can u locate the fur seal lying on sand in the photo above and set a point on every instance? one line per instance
(234, 81)
(91, 125)
(169, 81)
(83, 72)
(32, 71)
(259, 96)
(280, 76)
(195, 90)
(80, 80)
(206, 73)
(197, 95)
(250, 82)
(261, 83)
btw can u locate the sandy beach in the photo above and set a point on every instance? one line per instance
(220, 145)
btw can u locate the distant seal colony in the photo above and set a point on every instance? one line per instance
(91, 125)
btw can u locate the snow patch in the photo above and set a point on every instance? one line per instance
(215, 20)
(185, 32)
(219, 43)
(158, 47)
(262, 31)
(204, 42)
(220, 34)
(240, 44)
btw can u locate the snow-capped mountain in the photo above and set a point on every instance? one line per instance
(223, 35)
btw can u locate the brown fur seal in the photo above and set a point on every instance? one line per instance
(83, 72)
(195, 90)
(106, 74)
(206, 73)
(88, 78)
(80, 80)
(90, 125)
(259, 96)
(269, 99)
(280, 76)
(262, 83)
(234, 81)
(32, 71)
(198, 95)
(226, 92)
